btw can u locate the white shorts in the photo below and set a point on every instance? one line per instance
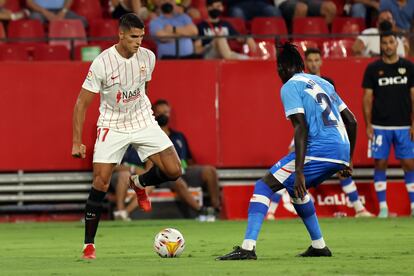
(110, 145)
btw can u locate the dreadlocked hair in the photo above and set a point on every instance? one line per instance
(289, 57)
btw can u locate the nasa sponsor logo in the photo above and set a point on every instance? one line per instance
(127, 96)
(336, 200)
(392, 80)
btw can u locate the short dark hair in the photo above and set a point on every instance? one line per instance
(289, 57)
(211, 2)
(385, 29)
(160, 102)
(312, 51)
(129, 21)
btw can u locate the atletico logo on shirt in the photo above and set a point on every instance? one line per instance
(402, 70)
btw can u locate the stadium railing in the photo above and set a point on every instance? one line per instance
(68, 191)
(276, 38)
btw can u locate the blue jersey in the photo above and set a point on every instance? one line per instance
(317, 100)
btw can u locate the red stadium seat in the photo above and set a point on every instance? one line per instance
(337, 48)
(303, 45)
(13, 5)
(14, 52)
(348, 25)
(238, 24)
(49, 53)
(268, 26)
(67, 28)
(266, 50)
(27, 29)
(103, 28)
(310, 26)
(91, 9)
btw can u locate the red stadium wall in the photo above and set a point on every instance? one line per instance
(230, 111)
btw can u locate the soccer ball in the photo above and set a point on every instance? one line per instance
(169, 243)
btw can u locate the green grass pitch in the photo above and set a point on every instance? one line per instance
(360, 247)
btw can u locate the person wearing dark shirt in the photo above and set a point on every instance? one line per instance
(204, 176)
(217, 46)
(248, 9)
(388, 109)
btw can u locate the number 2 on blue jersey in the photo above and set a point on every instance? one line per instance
(322, 97)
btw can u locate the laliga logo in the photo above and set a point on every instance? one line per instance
(337, 199)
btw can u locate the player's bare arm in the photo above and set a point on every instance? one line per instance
(367, 109)
(351, 129)
(82, 103)
(300, 136)
(412, 114)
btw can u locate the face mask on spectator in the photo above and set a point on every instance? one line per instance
(162, 120)
(167, 8)
(214, 13)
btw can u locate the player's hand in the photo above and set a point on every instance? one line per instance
(370, 132)
(299, 188)
(346, 172)
(168, 28)
(78, 150)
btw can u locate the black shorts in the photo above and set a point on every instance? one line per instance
(288, 8)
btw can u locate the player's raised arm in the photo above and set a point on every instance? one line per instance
(300, 136)
(82, 103)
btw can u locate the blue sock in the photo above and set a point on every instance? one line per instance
(276, 197)
(409, 182)
(349, 187)
(306, 210)
(380, 182)
(259, 204)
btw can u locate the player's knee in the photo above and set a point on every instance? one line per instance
(209, 171)
(99, 183)
(174, 172)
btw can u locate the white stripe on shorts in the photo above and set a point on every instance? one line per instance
(260, 199)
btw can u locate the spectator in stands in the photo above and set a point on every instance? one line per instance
(184, 6)
(368, 43)
(125, 202)
(402, 11)
(360, 8)
(195, 175)
(248, 9)
(171, 26)
(120, 7)
(300, 8)
(131, 160)
(218, 47)
(7, 15)
(48, 10)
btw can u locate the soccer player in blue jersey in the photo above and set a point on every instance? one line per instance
(324, 134)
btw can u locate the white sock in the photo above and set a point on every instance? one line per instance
(272, 207)
(135, 180)
(358, 206)
(248, 244)
(319, 244)
(86, 244)
(384, 205)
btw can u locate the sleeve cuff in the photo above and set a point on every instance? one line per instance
(90, 89)
(342, 107)
(294, 111)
